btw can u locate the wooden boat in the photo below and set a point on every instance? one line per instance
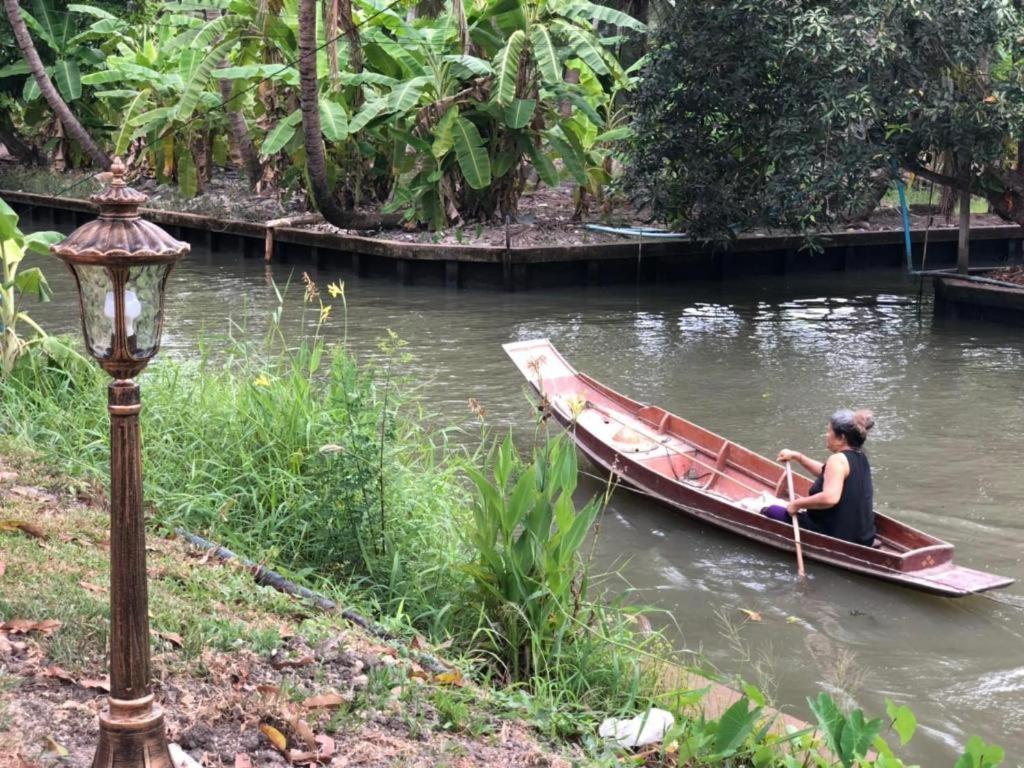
(712, 479)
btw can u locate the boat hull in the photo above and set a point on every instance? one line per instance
(655, 453)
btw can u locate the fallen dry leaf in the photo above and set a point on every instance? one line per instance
(304, 661)
(305, 732)
(243, 761)
(181, 758)
(96, 590)
(752, 615)
(53, 747)
(324, 701)
(3, 567)
(275, 737)
(8, 477)
(450, 678)
(24, 626)
(29, 529)
(94, 684)
(326, 744)
(268, 690)
(295, 757)
(171, 637)
(6, 647)
(58, 673)
(28, 492)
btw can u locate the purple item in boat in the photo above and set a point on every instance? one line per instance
(776, 512)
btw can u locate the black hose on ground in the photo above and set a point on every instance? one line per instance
(266, 577)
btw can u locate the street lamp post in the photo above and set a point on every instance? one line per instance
(120, 263)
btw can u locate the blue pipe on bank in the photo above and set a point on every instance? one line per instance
(905, 211)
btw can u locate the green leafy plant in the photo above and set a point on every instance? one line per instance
(848, 736)
(527, 534)
(439, 117)
(19, 284)
(978, 754)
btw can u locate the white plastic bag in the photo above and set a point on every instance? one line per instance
(649, 727)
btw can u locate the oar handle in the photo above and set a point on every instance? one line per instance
(796, 525)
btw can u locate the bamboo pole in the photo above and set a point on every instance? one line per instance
(796, 525)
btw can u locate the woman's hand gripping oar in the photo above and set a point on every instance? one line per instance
(796, 524)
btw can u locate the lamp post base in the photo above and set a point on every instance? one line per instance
(132, 735)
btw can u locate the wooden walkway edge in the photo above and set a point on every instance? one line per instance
(519, 267)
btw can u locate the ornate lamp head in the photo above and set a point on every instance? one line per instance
(121, 263)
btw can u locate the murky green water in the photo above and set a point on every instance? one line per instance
(763, 363)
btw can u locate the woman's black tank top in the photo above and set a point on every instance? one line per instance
(853, 518)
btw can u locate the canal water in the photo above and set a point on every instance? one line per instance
(764, 363)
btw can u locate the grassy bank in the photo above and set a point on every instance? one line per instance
(231, 659)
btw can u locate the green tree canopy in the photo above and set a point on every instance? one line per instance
(789, 113)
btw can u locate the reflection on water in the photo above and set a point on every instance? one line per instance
(764, 364)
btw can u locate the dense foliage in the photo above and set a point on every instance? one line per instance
(791, 113)
(17, 286)
(438, 116)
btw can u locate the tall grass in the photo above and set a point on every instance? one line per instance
(306, 459)
(300, 457)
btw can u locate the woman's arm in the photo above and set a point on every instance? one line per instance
(837, 469)
(812, 466)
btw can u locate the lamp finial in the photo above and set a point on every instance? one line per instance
(117, 170)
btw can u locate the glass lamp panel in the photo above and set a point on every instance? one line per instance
(97, 291)
(142, 307)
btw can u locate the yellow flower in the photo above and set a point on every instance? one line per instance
(262, 380)
(336, 289)
(325, 312)
(577, 403)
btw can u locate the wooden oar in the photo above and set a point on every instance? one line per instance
(796, 525)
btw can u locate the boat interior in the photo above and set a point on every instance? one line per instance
(687, 453)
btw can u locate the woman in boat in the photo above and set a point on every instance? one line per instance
(839, 502)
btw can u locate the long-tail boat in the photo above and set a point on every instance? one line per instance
(715, 480)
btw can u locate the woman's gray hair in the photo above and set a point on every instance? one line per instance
(853, 425)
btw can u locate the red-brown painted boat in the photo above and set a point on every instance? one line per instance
(715, 480)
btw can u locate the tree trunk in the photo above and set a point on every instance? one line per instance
(880, 181)
(348, 26)
(309, 102)
(240, 134)
(331, 35)
(20, 150)
(236, 121)
(459, 13)
(72, 127)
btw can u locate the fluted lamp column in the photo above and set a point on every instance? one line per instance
(120, 263)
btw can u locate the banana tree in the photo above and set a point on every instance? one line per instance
(529, 44)
(481, 122)
(164, 88)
